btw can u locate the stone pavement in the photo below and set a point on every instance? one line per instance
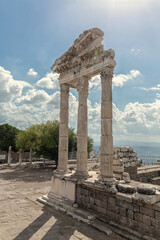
(23, 218)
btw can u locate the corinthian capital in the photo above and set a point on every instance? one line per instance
(64, 88)
(107, 74)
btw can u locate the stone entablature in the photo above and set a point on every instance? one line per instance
(84, 58)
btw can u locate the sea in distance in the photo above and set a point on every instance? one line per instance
(148, 154)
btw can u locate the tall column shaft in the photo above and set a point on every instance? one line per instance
(106, 157)
(82, 130)
(63, 129)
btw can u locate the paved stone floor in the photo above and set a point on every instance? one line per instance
(22, 218)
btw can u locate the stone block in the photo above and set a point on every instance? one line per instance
(149, 199)
(92, 200)
(147, 220)
(111, 200)
(130, 214)
(113, 208)
(84, 192)
(120, 154)
(118, 169)
(123, 212)
(104, 204)
(138, 217)
(157, 215)
(123, 220)
(101, 210)
(146, 211)
(105, 198)
(146, 189)
(155, 222)
(97, 202)
(126, 188)
(124, 197)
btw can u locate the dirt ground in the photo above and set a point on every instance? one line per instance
(23, 218)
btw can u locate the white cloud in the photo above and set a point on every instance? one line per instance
(136, 122)
(118, 80)
(34, 96)
(10, 88)
(136, 51)
(32, 72)
(95, 82)
(50, 81)
(156, 88)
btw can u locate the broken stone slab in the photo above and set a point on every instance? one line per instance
(126, 188)
(149, 199)
(146, 189)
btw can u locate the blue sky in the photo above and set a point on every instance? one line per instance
(36, 32)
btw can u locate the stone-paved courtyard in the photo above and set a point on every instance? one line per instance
(23, 218)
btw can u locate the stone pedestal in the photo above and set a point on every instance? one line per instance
(63, 188)
(106, 156)
(82, 131)
(63, 129)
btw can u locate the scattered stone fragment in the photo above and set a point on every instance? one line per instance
(125, 188)
(146, 189)
(126, 177)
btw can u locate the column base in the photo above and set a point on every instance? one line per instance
(81, 175)
(60, 173)
(109, 182)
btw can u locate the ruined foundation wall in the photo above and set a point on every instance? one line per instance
(149, 174)
(122, 209)
(125, 160)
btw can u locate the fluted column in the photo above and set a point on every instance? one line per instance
(106, 156)
(63, 129)
(82, 130)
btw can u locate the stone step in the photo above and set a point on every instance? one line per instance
(155, 180)
(93, 219)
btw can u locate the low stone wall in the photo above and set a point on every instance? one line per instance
(148, 174)
(121, 208)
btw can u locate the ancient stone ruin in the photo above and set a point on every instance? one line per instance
(96, 196)
(85, 59)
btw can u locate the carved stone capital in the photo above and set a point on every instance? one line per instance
(107, 74)
(64, 88)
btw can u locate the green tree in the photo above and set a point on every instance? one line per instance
(90, 144)
(29, 138)
(44, 140)
(8, 135)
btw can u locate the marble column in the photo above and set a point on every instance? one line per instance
(82, 130)
(106, 155)
(63, 129)
(30, 157)
(9, 155)
(20, 156)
